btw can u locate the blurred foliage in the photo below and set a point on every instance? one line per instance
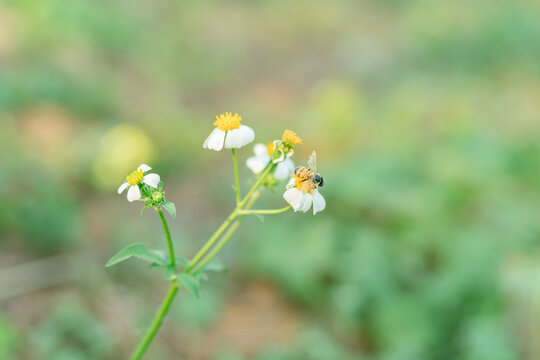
(69, 332)
(424, 115)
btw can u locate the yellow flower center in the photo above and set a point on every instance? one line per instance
(290, 138)
(135, 177)
(270, 149)
(227, 121)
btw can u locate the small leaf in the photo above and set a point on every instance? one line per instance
(260, 217)
(202, 276)
(190, 283)
(169, 206)
(143, 209)
(182, 261)
(214, 265)
(136, 250)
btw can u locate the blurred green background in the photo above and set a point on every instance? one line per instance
(425, 116)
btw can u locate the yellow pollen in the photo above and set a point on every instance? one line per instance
(270, 148)
(290, 138)
(227, 121)
(135, 177)
(300, 183)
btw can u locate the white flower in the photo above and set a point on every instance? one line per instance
(301, 201)
(258, 162)
(229, 134)
(136, 177)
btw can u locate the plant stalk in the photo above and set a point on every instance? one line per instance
(168, 235)
(156, 323)
(237, 182)
(264, 212)
(206, 247)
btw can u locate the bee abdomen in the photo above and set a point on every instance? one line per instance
(301, 172)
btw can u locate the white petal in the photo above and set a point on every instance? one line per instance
(290, 184)
(318, 202)
(123, 187)
(144, 168)
(152, 180)
(233, 139)
(260, 150)
(133, 193)
(257, 163)
(289, 163)
(215, 140)
(293, 197)
(237, 138)
(284, 169)
(305, 204)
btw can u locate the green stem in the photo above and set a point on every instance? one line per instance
(269, 168)
(226, 236)
(264, 212)
(156, 323)
(248, 201)
(236, 177)
(168, 235)
(210, 242)
(219, 245)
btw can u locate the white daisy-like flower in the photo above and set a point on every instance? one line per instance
(302, 189)
(301, 201)
(263, 155)
(229, 134)
(136, 177)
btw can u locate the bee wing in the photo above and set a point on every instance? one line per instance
(312, 162)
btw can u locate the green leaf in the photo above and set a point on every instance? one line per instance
(136, 250)
(214, 265)
(202, 276)
(182, 261)
(260, 217)
(190, 282)
(169, 206)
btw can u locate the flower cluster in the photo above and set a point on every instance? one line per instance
(301, 191)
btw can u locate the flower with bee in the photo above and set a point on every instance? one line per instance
(303, 188)
(229, 134)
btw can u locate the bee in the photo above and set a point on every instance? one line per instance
(308, 179)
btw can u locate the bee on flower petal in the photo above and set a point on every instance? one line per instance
(135, 178)
(308, 179)
(302, 190)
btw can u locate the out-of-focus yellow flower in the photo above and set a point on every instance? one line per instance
(290, 138)
(121, 149)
